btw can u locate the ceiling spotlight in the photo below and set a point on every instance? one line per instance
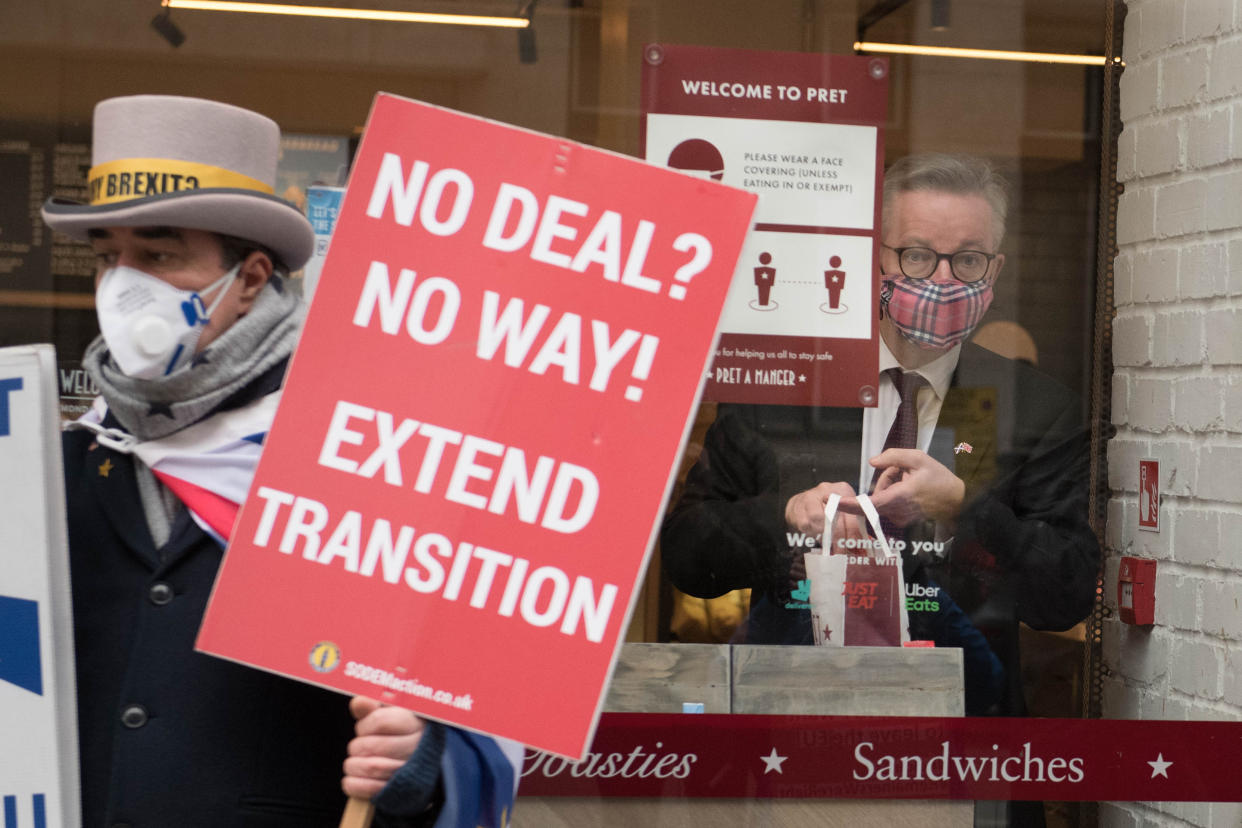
(168, 30)
(526, 37)
(940, 15)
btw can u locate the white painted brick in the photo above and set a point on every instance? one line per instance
(1180, 466)
(1207, 19)
(1155, 274)
(1184, 78)
(1120, 398)
(1175, 394)
(1152, 405)
(1234, 105)
(1123, 457)
(1209, 712)
(1230, 554)
(1158, 147)
(1181, 207)
(1224, 336)
(1225, 813)
(1197, 403)
(1140, 89)
(1155, 545)
(1196, 536)
(1196, 813)
(1224, 69)
(1143, 654)
(1160, 26)
(1126, 154)
(1117, 701)
(1202, 271)
(1136, 215)
(1123, 277)
(1209, 138)
(1233, 276)
(1177, 600)
(1220, 473)
(1224, 208)
(1160, 705)
(1120, 512)
(1195, 669)
(1233, 677)
(1222, 609)
(1232, 392)
(1177, 338)
(1132, 336)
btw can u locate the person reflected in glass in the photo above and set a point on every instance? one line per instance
(986, 487)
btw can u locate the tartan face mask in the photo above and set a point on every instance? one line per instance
(934, 315)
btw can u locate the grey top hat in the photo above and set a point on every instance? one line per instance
(162, 160)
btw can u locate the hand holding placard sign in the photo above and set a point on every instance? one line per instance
(480, 425)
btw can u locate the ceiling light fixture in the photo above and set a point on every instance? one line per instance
(527, 51)
(168, 30)
(348, 14)
(983, 54)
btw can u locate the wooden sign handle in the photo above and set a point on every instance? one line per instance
(358, 813)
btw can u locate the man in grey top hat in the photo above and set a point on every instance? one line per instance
(197, 328)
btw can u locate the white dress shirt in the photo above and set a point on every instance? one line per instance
(877, 421)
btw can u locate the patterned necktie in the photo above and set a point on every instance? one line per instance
(905, 429)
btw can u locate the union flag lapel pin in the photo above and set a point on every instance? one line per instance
(960, 447)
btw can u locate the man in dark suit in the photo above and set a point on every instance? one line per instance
(979, 463)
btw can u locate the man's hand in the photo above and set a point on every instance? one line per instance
(912, 486)
(385, 739)
(805, 513)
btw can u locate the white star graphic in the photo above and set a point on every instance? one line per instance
(1160, 767)
(802, 378)
(773, 762)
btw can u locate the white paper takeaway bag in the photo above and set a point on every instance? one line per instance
(849, 592)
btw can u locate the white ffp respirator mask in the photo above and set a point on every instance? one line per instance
(151, 327)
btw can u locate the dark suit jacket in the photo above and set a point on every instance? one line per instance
(1023, 549)
(170, 736)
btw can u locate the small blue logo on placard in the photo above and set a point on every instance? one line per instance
(19, 644)
(7, 385)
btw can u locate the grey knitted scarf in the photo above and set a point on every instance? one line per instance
(149, 409)
(155, 408)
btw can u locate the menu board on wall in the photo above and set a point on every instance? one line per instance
(36, 265)
(804, 132)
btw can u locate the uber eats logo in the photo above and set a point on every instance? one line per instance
(921, 598)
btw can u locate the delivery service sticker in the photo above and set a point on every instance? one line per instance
(480, 425)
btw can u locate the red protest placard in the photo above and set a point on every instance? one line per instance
(480, 424)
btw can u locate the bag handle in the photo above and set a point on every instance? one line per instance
(873, 518)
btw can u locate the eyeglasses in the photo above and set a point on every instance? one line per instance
(921, 262)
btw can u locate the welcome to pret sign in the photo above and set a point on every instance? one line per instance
(480, 424)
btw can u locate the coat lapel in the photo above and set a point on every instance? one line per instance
(112, 481)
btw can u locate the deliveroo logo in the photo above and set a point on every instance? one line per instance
(800, 596)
